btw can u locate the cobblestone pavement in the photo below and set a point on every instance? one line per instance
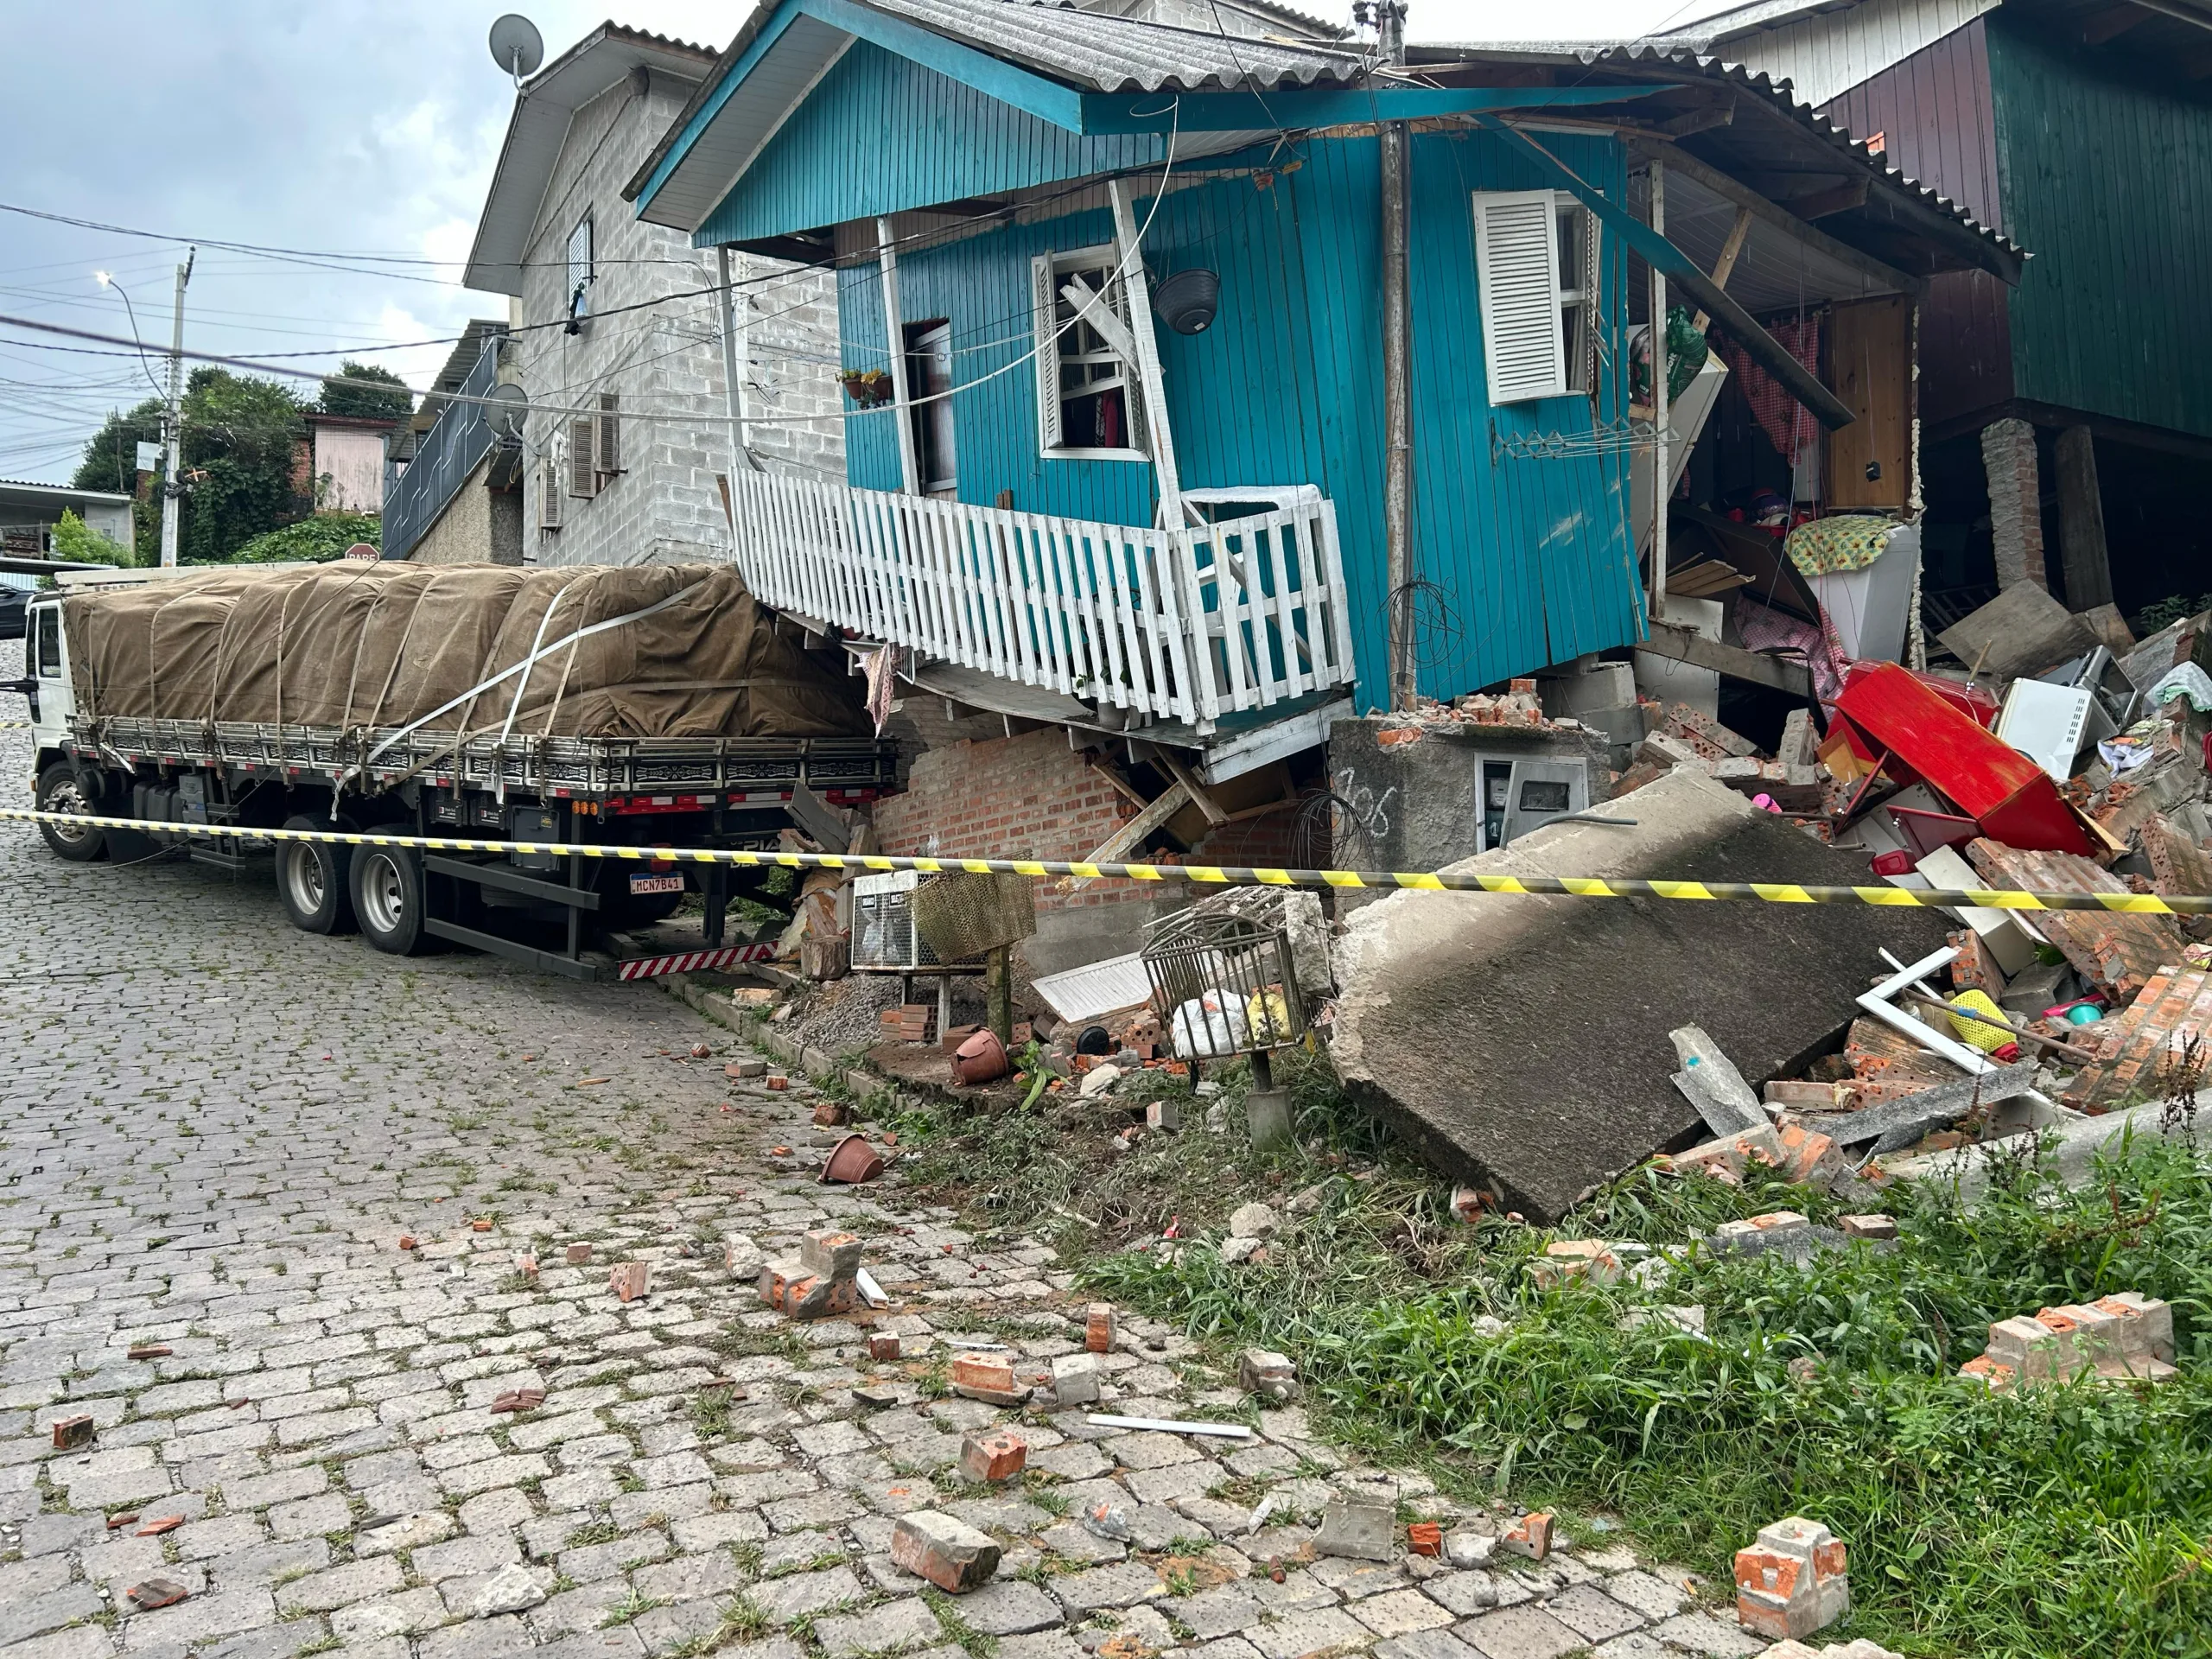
(217, 1130)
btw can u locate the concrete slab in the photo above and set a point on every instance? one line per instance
(1521, 1043)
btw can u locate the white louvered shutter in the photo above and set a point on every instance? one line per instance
(610, 436)
(1517, 273)
(1139, 436)
(583, 477)
(1045, 302)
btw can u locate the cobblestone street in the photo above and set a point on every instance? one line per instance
(217, 1130)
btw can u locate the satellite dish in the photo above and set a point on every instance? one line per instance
(517, 46)
(509, 406)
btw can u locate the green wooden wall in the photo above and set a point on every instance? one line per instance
(2108, 182)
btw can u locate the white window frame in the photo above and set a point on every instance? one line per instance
(1056, 346)
(1505, 295)
(576, 298)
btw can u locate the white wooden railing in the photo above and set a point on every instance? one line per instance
(1186, 625)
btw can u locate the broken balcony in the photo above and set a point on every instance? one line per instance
(1231, 632)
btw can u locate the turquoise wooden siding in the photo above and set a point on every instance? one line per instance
(881, 133)
(2109, 181)
(1533, 557)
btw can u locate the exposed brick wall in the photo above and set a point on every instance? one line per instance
(1034, 797)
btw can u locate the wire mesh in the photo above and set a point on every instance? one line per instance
(1224, 979)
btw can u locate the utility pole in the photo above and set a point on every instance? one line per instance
(1397, 378)
(173, 421)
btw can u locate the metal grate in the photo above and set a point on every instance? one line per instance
(1223, 979)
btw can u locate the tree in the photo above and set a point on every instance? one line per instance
(396, 404)
(240, 437)
(110, 462)
(75, 539)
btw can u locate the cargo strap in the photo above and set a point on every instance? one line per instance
(1232, 876)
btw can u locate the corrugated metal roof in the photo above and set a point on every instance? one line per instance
(1634, 56)
(1105, 53)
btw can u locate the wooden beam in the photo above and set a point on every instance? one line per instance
(1821, 203)
(1718, 115)
(1783, 221)
(1166, 477)
(894, 342)
(1686, 646)
(1215, 813)
(1131, 835)
(1731, 250)
(2111, 25)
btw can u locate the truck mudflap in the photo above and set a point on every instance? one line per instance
(691, 962)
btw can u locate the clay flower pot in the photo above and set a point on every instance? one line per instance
(851, 1161)
(981, 1058)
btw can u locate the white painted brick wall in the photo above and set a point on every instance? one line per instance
(665, 360)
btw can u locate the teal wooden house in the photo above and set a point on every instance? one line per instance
(1110, 299)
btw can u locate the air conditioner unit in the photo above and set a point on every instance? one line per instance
(884, 937)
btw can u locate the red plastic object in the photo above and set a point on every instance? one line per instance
(2010, 797)
(1898, 863)
(1969, 700)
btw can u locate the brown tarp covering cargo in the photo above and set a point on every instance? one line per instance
(691, 653)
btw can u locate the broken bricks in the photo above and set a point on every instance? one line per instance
(987, 1377)
(519, 1399)
(2121, 1339)
(1792, 1582)
(156, 1593)
(70, 1432)
(630, 1280)
(1576, 1258)
(1098, 1327)
(820, 1280)
(1531, 1535)
(951, 1554)
(994, 1455)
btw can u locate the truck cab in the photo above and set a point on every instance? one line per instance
(58, 783)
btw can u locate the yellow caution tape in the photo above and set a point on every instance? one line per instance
(1232, 876)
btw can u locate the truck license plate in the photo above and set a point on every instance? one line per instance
(656, 884)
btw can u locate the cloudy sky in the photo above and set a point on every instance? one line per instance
(339, 129)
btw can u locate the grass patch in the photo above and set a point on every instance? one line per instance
(2057, 1523)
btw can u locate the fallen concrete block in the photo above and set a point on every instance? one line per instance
(834, 1254)
(1868, 1227)
(1075, 1379)
(948, 1552)
(1259, 1370)
(1469, 1549)
(2119, 1338)
(1576, 1258)
(1519, 1043)
(1793, 1581)
(1360, 1522)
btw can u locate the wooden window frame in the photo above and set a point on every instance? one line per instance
(1100, 260)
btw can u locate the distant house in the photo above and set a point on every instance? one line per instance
(28, 513)
(343, 457)
(616, 326)
(2073, 412)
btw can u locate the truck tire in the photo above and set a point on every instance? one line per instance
(314, 879)
(60, 789)
(389, 899)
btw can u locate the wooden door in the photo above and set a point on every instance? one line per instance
(1869, 368)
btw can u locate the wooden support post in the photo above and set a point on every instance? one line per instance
(998, 994)
(1166, 477)
(1655, 596)
(2082, 522)
(894, 340)
(1731, 250)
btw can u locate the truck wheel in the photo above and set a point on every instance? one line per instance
(314, 879)
(60, 790)
(388, 899)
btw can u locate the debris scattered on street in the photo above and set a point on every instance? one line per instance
(1792, 1582)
